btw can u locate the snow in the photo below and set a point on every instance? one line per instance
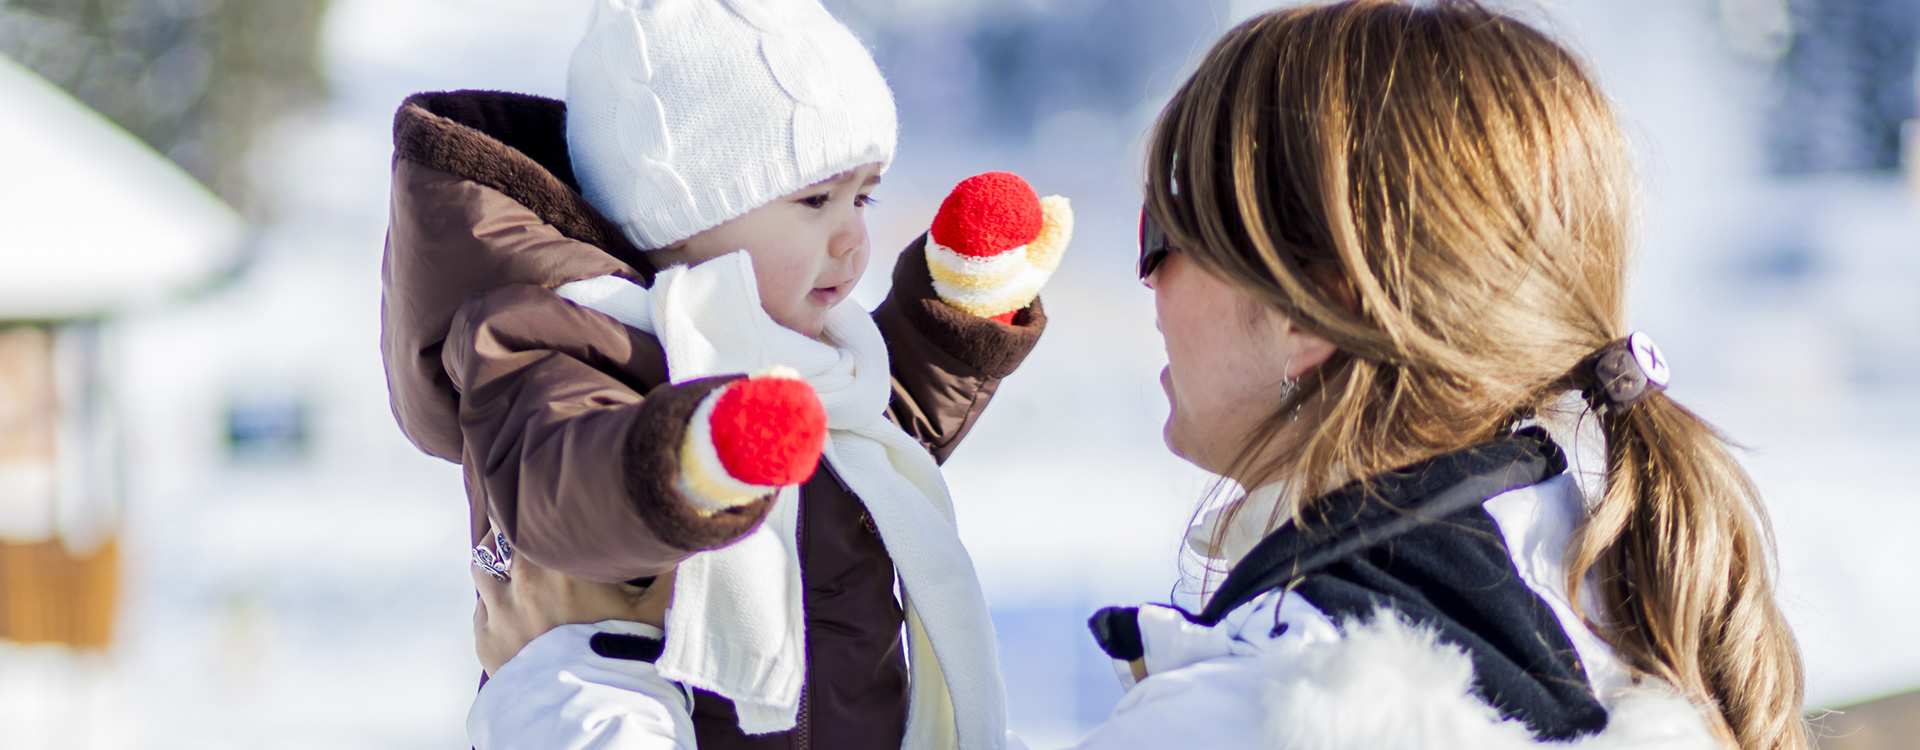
(324, 600)
(96, 220)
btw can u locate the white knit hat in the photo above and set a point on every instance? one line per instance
(682, 114)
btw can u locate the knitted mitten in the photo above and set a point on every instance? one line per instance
(994, 243)
(750, 438)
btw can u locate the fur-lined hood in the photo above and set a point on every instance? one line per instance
(513, 143)
(1389, 685)
(483, 197)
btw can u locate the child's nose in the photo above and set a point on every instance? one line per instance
(849, 236)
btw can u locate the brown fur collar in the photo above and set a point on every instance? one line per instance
(513, 143)
(992, 347)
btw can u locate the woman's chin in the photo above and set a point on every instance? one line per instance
(1180, 442)
(1170, 434)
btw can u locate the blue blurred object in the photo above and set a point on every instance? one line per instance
(272, 429)
(1844, 85)
(999, 71)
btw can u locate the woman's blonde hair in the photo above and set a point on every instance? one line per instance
(1443, 193)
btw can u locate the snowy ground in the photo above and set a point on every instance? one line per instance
(325, 602)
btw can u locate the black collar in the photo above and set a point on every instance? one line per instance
(1363, 514)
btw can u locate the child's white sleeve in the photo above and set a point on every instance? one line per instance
(560, 693)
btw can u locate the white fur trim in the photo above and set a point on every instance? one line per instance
(1390, 685)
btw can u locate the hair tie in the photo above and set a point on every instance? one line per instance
(1625, 371)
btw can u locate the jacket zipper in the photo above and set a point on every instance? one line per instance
(803, 729)
(803, 725)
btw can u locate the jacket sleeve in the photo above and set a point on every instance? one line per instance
(449, 240)
(1212, 686)
(1205, 686)
(946, 363)
(560, 448)
(1216, 703)
(558, 694)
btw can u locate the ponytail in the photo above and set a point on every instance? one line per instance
(1681, 551)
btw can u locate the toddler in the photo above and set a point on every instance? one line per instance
(574, 296)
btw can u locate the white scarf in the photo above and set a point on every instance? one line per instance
(737, 627)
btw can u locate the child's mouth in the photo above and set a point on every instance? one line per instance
(827, 295)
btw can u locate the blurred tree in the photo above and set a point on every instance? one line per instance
(999, 68)
(1106, 56)
(1845, 85)
(199, 80)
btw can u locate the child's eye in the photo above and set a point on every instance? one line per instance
(816, 201)
(863, 201)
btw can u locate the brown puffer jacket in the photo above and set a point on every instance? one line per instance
(565, 423)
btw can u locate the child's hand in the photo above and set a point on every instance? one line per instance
(750, 438)
(995, 243)
(534, 600)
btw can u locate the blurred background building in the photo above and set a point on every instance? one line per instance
(292, 573)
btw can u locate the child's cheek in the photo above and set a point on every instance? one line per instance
(784, 297)
(775, 282)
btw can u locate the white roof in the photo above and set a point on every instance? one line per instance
(91, 218)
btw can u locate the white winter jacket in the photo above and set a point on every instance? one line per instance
(558, 693)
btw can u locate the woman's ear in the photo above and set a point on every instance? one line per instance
(1308, 349)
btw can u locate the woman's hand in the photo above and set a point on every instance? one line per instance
(535, 600)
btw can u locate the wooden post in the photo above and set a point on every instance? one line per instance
(49, 593)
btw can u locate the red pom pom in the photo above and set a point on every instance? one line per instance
(988, 214)
(769, 431)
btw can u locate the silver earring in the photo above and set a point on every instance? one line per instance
(1289, 386)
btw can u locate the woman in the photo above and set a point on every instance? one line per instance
(1388, 246)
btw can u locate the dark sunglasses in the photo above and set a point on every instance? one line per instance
(1153, 245)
